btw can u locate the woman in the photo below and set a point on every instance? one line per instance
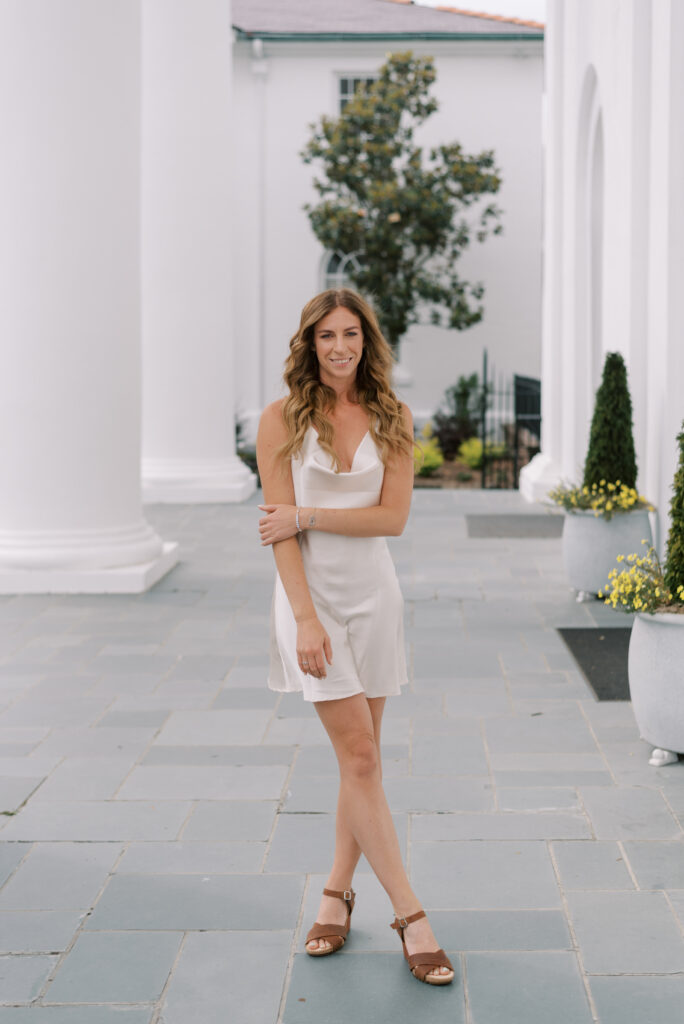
(336, 464)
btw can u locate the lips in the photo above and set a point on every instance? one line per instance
(341, 362)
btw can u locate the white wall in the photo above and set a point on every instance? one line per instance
(490, 98)
(615, 61)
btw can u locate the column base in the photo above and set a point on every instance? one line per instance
(538, 477)
(124, 579)
(196, 481)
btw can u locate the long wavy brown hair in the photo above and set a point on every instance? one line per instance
(309, 400)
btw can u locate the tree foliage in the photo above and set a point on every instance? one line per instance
(610, 456)
(402, 212)
(674, 560)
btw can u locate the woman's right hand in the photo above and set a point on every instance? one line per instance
(313, 647)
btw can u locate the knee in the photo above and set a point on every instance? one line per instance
(361, 757)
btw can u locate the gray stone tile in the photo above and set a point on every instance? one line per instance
(537, 798)
(633, 1000)
(213, 728)
(198, 902)
(90, 821)
(202, 989)
(189, 858)
(677, 901)
(14, 791)
(595, 865)
(519, 987)
(204, 782)
(441, 755)
(37, 931)
(478, 703)
(628, 812)
(456, 727)
(126, 967)
(229, 755)
(76, 1015)
(245, 697)
(438, 794)
(306, 843)
(554, 778)
(86, 778)
(538, 735)
(501, 929)
(369, 988)
(66, 713)
(610, 929)
(548, 762)
(23, 977)
(499, 825)
(60, 876)
(11, 855)
(657, 864)
(241, 820)
(287, 731)
(127, 719)
(85, 742)
(484, 875)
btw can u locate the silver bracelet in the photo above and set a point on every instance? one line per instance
(299, 529)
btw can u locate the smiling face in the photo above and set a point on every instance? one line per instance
(338, 340)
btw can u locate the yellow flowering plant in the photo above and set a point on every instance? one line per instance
(427, 454)
(641, 586)
(605, 499)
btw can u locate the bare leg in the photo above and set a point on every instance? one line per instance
(363, 807)
(347, 850)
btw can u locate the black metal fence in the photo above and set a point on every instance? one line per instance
(509, 425)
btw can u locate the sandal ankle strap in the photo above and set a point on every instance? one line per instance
(400, 923)
(346, 894)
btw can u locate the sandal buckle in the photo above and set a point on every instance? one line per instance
(402, 922)
(347, 894)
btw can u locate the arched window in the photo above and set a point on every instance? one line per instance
(337, 266)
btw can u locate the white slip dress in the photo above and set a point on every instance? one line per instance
(353, 585)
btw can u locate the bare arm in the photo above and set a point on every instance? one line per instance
(313, 643)
(387, 519)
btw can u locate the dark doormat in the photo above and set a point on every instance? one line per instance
(601, 655)
(526, 525)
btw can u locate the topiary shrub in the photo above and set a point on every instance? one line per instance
(674, 559)
(610, 456)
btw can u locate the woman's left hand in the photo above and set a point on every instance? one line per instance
(279, 523)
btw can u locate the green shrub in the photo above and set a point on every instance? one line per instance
(674, 559)
(459, 421)
(470, 452)
(427, 455)
(610, 455)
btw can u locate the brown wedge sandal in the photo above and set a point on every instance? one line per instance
(335, 934)
(420, 964)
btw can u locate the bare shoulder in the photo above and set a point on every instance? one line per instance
(271, 424)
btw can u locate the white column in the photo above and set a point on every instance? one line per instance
(70, 509)
(544, 471)
(666, 251)
(188, 379)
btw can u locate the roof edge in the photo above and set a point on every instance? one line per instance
(384, 36)
(474, 14)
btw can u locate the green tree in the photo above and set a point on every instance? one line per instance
(399, 211)
(610, 455)
(674, 560)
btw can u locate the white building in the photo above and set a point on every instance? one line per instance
(614, 231)
(294, 62)
(154, 254)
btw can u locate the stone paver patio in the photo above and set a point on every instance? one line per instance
(168, 824)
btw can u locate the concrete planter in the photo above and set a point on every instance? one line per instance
(656, 681)
(591, 545)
